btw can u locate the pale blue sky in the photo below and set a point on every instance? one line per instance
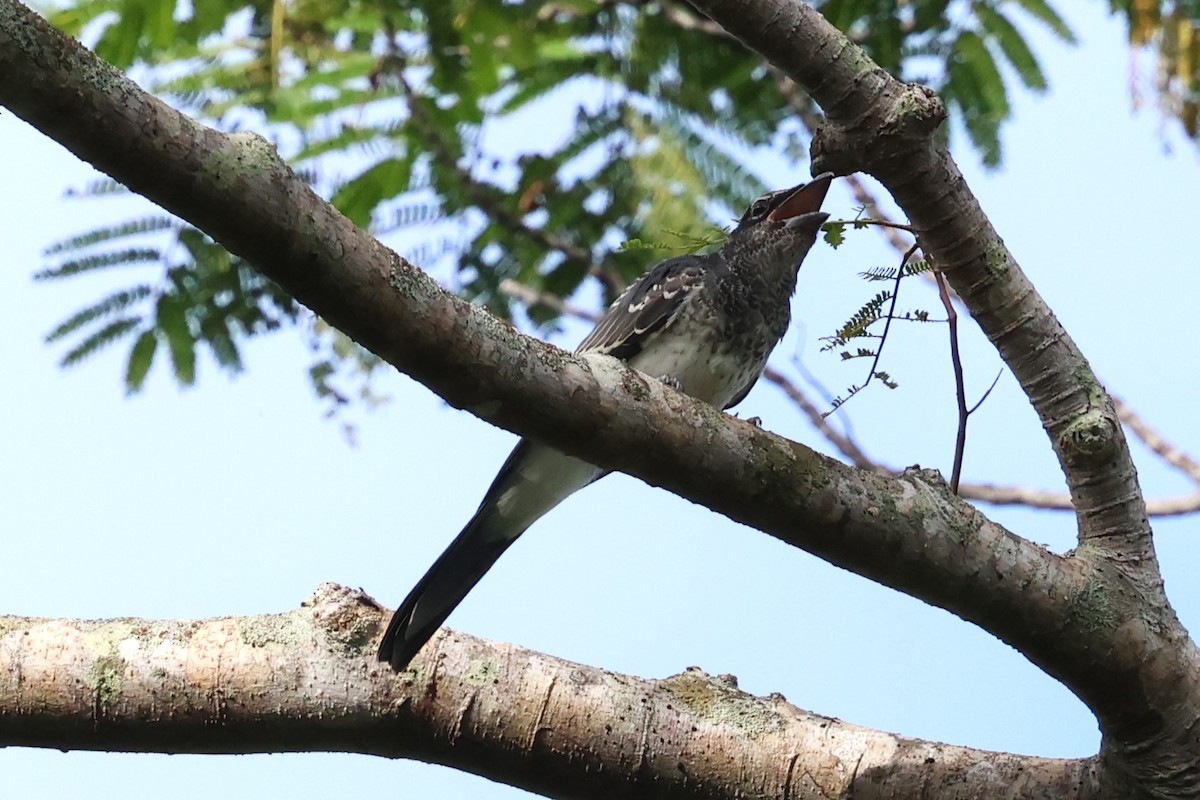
(236, 498)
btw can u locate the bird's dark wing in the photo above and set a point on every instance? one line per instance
(647, 306)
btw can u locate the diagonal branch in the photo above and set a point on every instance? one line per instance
(1105, 632)
(845, 444)
(905, 532)
(880, 126)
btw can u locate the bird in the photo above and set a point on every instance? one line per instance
(704, 324)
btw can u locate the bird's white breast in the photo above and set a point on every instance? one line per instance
(705, 369)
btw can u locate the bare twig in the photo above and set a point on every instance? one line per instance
(533, 297)
(960, 391)
(878, 222)
(845, 445)
(1156, 444)
(984, 396)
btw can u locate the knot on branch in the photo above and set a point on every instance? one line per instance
(902, 118)
(1092, 439)
(348, 617)
(929, 477)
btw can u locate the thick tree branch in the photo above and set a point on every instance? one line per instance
(802, 105)
(1106, 632)
(985, 492)
(847, 446)
(880, 126)
(209, 686)
(877, 125)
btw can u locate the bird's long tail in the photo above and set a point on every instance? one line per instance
(437, 594)
(533, 480)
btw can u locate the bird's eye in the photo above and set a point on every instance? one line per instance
(760, 208)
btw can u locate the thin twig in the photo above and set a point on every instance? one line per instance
(887, 321)
(863, 222)
(1028, 497)
(847, 446)
(960, 391)
(979, 402)
(531, 296)
(1156, 444)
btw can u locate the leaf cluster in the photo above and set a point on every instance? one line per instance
(424, 121)
(962, 50)
(1170, 32)
(196, 294)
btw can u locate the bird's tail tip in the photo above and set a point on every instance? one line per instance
(395, 649)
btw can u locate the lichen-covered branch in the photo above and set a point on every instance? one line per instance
(305, 681)
(1093, 619)
(877, 125)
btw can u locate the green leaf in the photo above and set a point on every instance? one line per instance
(140, 359)
(975, 63)
(106, 335)
(358, 198)
(121, 258)
(975, 85)
(1041, 11)
(114, 303)
(119, 231)
(172, 321)
(225, 350)
(1014, 47)
(835, 234)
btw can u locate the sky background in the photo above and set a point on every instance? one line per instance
(236, 497)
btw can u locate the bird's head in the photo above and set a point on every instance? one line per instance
(783, 225)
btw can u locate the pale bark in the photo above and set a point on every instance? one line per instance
(305, 680)
(1096, 619)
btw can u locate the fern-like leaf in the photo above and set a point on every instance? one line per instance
(114, 303)
(122, 258)
(857, 325)
(105, 336)
(132, 227)
(140, 359)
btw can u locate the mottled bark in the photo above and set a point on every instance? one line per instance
(1096, 619)
(306, 681)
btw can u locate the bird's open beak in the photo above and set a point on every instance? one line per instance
(805, 199)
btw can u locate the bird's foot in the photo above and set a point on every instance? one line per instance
(755, 421)
(671, 381)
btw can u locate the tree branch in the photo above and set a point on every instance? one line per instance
(877, 125)
(1107, 633)
(802, 105)
(208, 686)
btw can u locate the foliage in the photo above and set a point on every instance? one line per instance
(489, 139)
(1169, 32)
(202, 295)
(861, 328)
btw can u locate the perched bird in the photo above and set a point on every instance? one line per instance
(704, 323)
